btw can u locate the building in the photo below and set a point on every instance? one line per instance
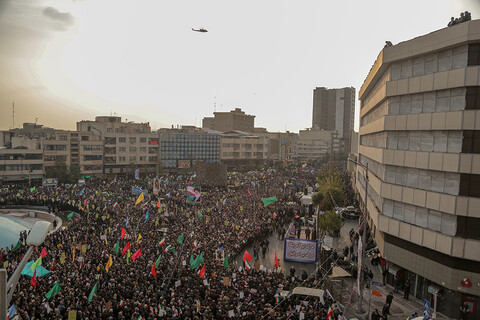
(334, 109)
(283, 145)
(20, 158)
(127, 146)
(313, 144)
(420, 137)
(182, 148)
(243, 149)
(229, 121)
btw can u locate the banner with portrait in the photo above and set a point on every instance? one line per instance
(193, 194)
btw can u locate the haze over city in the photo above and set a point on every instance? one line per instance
(65, 61)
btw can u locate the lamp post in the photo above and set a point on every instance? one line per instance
(35, 238)
(361, 245)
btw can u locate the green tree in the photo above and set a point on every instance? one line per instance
(59, 170)
(330, 222)
(74, 172)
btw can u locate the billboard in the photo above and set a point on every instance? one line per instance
(184, 163)
(300, 250)
(193, 194)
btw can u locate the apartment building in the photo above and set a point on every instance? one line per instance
(127, 145)
(420, 137)
(242, 148)
(334, 110)
(313, 144)
(229, 121)
(282, 145)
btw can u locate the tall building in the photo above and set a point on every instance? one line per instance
(420, 137)
(334, 109)
(228, 121)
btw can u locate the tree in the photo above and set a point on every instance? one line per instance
(330, 222)
(74, 171)
(59, 170)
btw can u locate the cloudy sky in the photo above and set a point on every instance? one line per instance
(62, 61)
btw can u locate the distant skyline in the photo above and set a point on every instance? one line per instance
(63, 61)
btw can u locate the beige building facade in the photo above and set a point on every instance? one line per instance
(227, 121)
(420, 137)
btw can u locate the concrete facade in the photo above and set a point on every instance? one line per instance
(228, 121)
(419, 135)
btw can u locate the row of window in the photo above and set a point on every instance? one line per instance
(17, 156)
(20, 167)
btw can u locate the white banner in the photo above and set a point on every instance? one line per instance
(300, 250)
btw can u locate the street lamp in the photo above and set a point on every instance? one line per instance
(361, 244)
(35, 238)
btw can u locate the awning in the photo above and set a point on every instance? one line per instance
(433, 289)
(338, 272)
(393, 269)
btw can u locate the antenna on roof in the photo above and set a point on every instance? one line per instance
(13, 115)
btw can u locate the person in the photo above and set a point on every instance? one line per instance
(451, 23)
(384, 275)
(468, 16)
(389, 298)
(396, 283)
(292, 271)
(385, 311)
(406, 291)
(464, 311)
(307, 233)
(462, 17)
(375, 315)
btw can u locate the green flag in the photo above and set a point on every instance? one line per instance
(92, 293)
(157, 263)
(128, 256)
(54, 291)
(180, 238)
(32, 189)
(70, 216)
(225, 262)
(267, 201)
(37, 263)
(17, 246)
(197, 262)
(117, 247)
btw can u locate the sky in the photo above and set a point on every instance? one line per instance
(63, 61)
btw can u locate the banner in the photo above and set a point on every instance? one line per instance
(183, 163)
(136, 190)
(193, 194)
(300, 250)
(156, 186)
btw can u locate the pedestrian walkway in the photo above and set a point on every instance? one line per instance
(400, 308)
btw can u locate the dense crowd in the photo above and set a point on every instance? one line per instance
(464, 17)
(227, 220)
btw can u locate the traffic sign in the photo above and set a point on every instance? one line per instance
(426, 309)
(378, 284)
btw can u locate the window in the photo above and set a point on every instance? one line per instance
(122, 139)
(132, 149)
(54, 147)
(132, 140)
(470, 185)
(92, 157)
(92, 167)
(143, 158)
(62, 137)
(122, 159)
(472, 98)
(152, 159)
(467, 227)
(143, 149)
(143, 140)
(471, 141)
(92, 148)
(132, 158)
(110, 140)
(84, 138)
(474, 54)
(122, 149)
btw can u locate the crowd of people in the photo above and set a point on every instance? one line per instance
(464, 17)
(101, 280)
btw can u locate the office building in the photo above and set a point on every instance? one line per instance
(228, 121)
(334, 110)
(420, 137)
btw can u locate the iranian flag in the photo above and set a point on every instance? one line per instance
(247, 266)
(115, 205)
(201, 272)
(162, 242)
(154, 272)
(246, 256)
(195, 245)
(125, 249)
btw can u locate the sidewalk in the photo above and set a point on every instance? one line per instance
(400, 308)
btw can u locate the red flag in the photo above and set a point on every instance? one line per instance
(124, 232)
(33, 281)
(44, 252)
(154, 272)
(274, 215)
(158, 204)
(53, 263)
(249, 193)
(201, 273)
(277, 262)
(136, 255)
(247, 256)
(85, 202)
(126, 248)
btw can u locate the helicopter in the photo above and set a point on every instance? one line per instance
(200, 30)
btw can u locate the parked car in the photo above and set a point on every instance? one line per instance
(351, 213)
